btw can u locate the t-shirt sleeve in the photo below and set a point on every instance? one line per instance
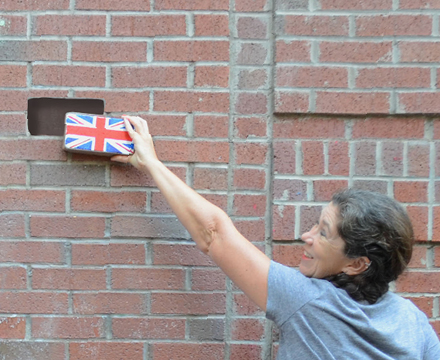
(288, 291)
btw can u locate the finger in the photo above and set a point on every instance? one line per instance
(121, 158)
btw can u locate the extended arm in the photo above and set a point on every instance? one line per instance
(209, 226)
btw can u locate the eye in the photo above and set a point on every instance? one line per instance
(323, 234)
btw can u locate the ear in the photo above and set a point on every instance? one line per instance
(357, 265)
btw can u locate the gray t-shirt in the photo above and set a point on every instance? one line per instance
(319, 321)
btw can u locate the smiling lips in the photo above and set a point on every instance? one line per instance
(307, 256)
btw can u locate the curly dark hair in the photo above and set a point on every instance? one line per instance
(375, 226)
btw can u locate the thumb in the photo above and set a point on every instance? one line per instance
(121, 158)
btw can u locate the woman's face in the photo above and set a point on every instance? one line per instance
(324, 248)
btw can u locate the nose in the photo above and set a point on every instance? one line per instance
(307, 237)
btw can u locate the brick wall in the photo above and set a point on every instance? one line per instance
(264, 108)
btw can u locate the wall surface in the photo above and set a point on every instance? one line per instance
(264, 107)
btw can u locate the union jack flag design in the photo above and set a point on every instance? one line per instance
(96, 133)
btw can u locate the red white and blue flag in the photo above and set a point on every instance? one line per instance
(97, 133)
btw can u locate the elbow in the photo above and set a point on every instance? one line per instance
(212, 232)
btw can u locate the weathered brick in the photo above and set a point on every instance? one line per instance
(67, 226)
(284, 157)
(32, 200)
(75, 25)
(179, 254)
(253, 79)
(148, 328)
(106, 51)
(92, 303)
(291, 102)
(353, 102)
(297, 127)
(295, 50)
(403, 77)
(210, 178)
(289, 190)
(31, 252)
(33, 302)
(365, 161)
(211, 76)
(68, 328)
(33, 50)
(124, 5)
(12, 173)
(355, 52)
(211, 25)
(12, 328)
(361, 5)
(419, 220)
(419, 51)
(316, 25)
(211, 126)
(436, 224)
(100, 201)
(208, 280)
(187, 351)
(12, 350)
(312, 157)
(97, 254)
(55, 75)
(249, 205)
(292, 4)
(198, 50)
(13, 277)
(418, 4)
(147, 227)
(13, 75)
(393, 25)
(12, 225)
(418, 103)
(191, 101)
(247, 329)
(188, 303)
(67, 175)
(206, 329)
(338, 158)
(29, 5)
(119, 101)
(392, 158)
(252, 54)
(148, 279)
(13, 24)
(192, 5)
(379, 186)
(148, 25)
(419, 257)
(250, 5)
(283, 222)
(418, 160)
(249, 127)
(411, 191)
(389, 127)
(309, 77)
(251, 103)
(106, 350)
(323, 190)
(251, 28)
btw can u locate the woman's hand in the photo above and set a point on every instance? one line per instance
(144, 154)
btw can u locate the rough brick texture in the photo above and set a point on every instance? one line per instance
(264, 107)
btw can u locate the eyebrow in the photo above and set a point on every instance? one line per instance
(326, 224)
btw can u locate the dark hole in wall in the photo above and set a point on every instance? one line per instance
(46, 115)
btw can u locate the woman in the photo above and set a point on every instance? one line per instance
(337, 306)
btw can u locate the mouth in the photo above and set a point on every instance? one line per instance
(307, 256)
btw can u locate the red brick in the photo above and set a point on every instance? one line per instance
(152, 76)
(14, 24)
(352, 103)
(211, 25)
(100, 201)
(31, 148)
(30, 5)
(437, 191)
(250, 5)
(437, 256)
(310, 214)
(193, 151)
(419, 4)
(419, 219)
(251, 103)
(192, 5)
(365, 162)
(392, 158)
(250, 127)
(147, 227)
(417, 51)
(423, 303)
(67, 226)
(200, 50)
(191, 101)
(148, 25)
(361, 5)
(13, 75)
(393, 25)
(436, 132)
(158, 204)
(436, 225)
(37, 350)
(411, 191)
(380, 186)
(324, 189)
(210, 178)
(284, 157)
(313, 157)
(211, 126)
(252, 179)
(12, 225)
(12, 124)
(251, 229)
(356, 52)
(293, 51)
(97, 254)
(75, 25)
(247, 330)
(33, 50)
(249, 205)
(246, 351)
(418, 282)
(149, 328)
(208, 280)
(291, 102)
(91, 303)
(68, 279)
(12, 174)
(17, 100)
(33, 302)
(315, 25)
(31, 252)
(68, 328)
(289, 190)
(187, 351)
(242, 305)
(68, 75)
(289, 255)
(253, 79)
(13, 277)
(393, 78)
(211, 76)
(12, 328)
(119, 101)
(106, 351)
(188, 303)
(418, 160)
(308, 77)
(308, 127)
(389, 127)
(148, 279)
(419, 255)
(338, 158)
(106, 51)
(283, 222)
(32, 200)
(419, 103)
(179, 254)
(124, 5)
(251, 28)
(126, 175)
